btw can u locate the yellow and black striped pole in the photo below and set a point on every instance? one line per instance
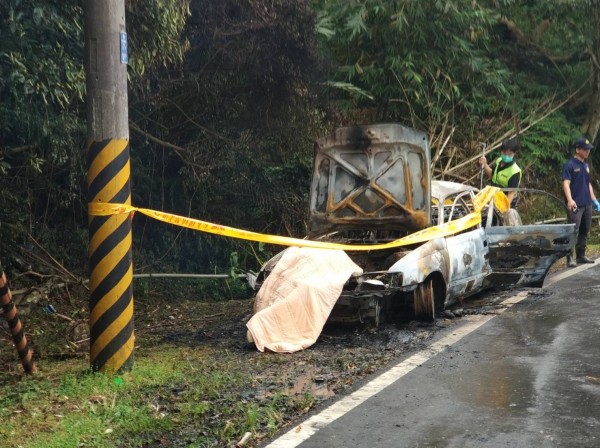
(16, 329)
(108, 162)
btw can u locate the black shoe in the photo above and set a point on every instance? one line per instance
(571, 263)
(582, 260)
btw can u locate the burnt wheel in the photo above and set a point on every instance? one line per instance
(424, 301)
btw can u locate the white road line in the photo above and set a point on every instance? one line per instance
(307, 428)
(569, 272)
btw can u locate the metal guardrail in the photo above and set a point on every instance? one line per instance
(208, 276)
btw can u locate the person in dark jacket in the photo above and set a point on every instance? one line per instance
(504, 172)
(580, 198)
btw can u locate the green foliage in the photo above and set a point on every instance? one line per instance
(41, 91)
(155, 36)
(419, 61)
(466, 66)
(545, 148)
(40, 53)
(203, 289)
(242, 113)
(42, 121)
(226, 99)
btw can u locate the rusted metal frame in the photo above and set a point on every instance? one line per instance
(511, 252)
(408, 180)
(464, 203)
(368, 142)
(372, 184)
(408, 185)
(331, 207)
(352, 308)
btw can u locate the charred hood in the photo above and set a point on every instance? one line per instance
(373, 177)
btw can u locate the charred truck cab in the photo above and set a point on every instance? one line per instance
(372, 184)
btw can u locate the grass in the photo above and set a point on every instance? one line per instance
(173, 396)
(193, 384)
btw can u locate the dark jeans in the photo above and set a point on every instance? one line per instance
(583, 224)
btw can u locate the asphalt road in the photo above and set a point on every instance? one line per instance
(529, 377)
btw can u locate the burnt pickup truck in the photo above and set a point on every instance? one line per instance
(372, 184)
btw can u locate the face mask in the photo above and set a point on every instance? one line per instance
(506, 159)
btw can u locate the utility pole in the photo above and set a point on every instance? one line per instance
(108, 180)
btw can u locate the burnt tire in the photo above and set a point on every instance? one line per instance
(424, 301)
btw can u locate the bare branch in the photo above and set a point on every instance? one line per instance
(204, 128)
(58, 265)
(533, 47)
(20, 149)
(136, 128)
(532, 122)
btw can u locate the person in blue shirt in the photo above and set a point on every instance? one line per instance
(580, 198)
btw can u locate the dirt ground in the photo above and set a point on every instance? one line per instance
(343, 354)
(341, 357)
(57, 328)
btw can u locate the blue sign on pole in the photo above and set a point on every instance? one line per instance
(124, 55)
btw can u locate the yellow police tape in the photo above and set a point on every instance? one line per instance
(479, 201)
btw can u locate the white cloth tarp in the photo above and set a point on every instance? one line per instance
(296, 299)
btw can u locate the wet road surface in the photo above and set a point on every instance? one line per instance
(529, 377)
